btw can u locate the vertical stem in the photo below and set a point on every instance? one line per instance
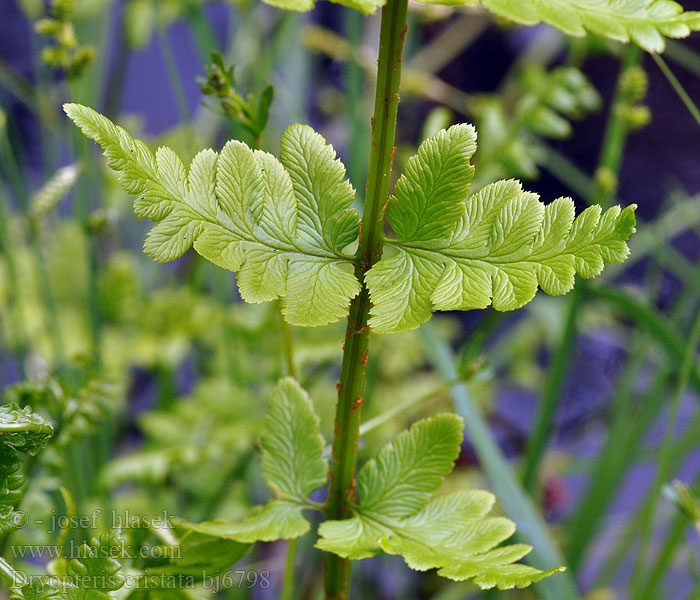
(352, 374)
(678, 87)
(19, 341)
(290, 562)
(616, 130)
(288, 342)
(289, 565)
(83, 209)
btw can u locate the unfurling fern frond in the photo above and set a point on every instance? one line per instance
(22, 432)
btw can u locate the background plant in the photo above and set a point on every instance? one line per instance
(176, 328)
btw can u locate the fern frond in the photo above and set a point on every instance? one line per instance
(281, 224)
(452, 533)
(495, 246)
(293, 467)
(22, 432)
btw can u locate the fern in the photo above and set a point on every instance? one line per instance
(644, 22)
(293, 467)
(282, 224)
(94, 574)
(454, 252)
(95, 568)
(395, 514)
(22, 432)
(198, 556)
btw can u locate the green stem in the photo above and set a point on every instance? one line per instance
(662, 564)
(619, 454)
(7, 573)
(558, 370)
(515, 502)
(84, 192)
(288, 342)
(290, 563)
(15, 300)
(352, 374)
(616, 130)
(288, 582)
(50, 304)
(678, 87)
(663, 471)
(660, 328)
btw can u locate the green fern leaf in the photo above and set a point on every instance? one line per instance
(292, 460)
(293, 467)
(395, 485)
(277, 520)
(406, 471)
(644, 22)
(93, 575)
(451, 533)
(22, 432)
(95, 567)
(495, 246)
(282, 224)
(199, 556)
(367, 7)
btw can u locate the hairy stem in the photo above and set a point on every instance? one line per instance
(355, 351)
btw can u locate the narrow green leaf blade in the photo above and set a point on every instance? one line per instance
(516, 504)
